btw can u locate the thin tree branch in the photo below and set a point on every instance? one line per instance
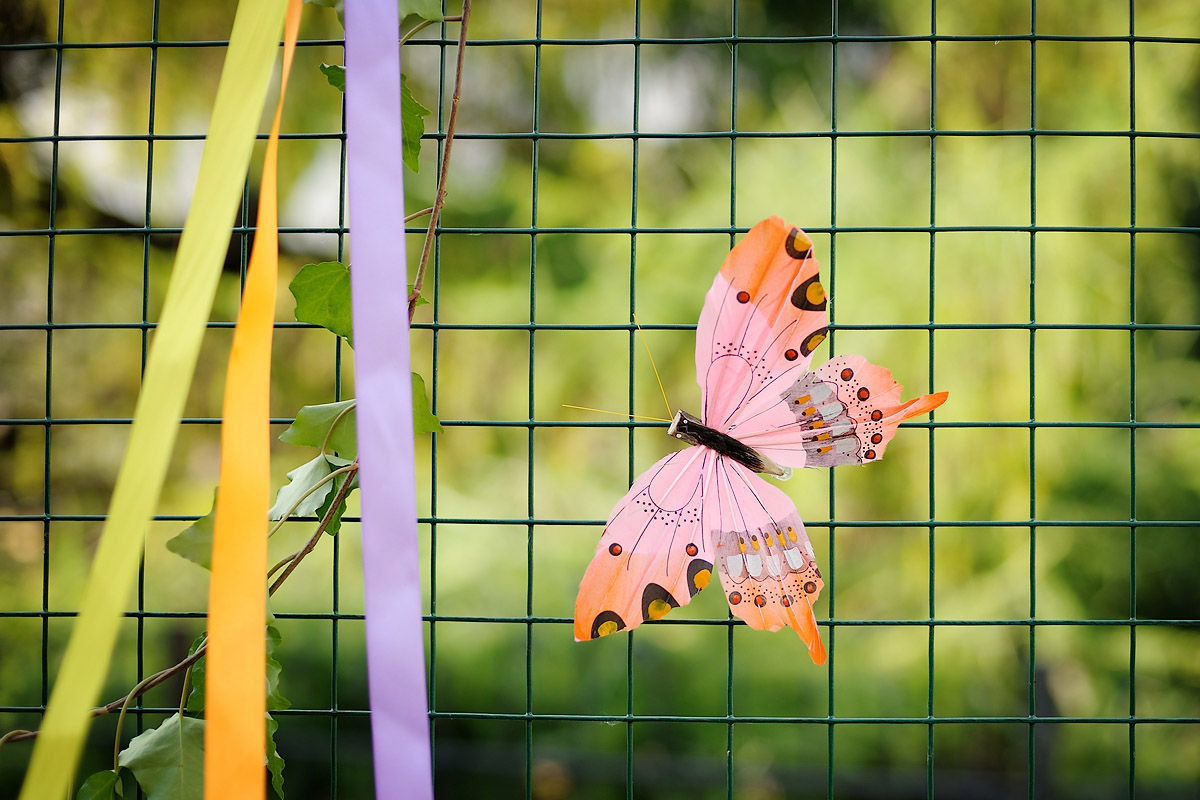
(316, 537)
(440, 200)
(115, 705)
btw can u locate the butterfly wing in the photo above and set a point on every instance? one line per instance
(762, 319)
(766, 563)
(845, 412)
(653, 555)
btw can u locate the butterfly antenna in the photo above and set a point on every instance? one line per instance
(614, 413)
(646, 344)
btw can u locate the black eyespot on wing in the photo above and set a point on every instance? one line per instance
(607, 622)
(699, 574)
(797, 247)
(810, 295)
(656, 602)
(813, 340)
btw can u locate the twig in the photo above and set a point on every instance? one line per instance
(425, 23)
(16, 736)
(332, 425)
(440, 200)
(292, 510)
(316, 537)
(115, 705)
(159, 677)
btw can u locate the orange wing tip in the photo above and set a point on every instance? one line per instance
(923, 405)
(816, 652)
(804, 623)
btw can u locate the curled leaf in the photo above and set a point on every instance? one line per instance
(302, 479)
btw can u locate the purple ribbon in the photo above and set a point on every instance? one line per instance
(391, 563)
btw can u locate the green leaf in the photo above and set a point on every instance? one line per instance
(423, 420)
(275, 700)
(322, 293)
(335, 522)
(425, 9)
(100, 786)
(195, 703)
(195, 541)
(274, 760)
(412, 124)
(168, 761)
(303, 478)
(421, 301)
(336, 5)
(313, 422)
(335, 74)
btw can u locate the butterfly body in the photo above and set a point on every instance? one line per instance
(704, 508)
(693, 431)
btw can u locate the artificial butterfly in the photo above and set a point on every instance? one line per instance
(703, 508)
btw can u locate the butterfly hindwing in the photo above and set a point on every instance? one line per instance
(767, 566)
(762, 319)
(652, 556)
(845, 412)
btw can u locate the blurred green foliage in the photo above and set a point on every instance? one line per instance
(1074, 278)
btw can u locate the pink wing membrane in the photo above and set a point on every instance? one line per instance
(653, 555)
(766, 563)
(762, 319)
(845, 412)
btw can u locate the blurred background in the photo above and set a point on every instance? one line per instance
(1034, 258)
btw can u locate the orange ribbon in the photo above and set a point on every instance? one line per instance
(235, 674)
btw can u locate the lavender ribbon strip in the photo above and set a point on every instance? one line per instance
(391, 564)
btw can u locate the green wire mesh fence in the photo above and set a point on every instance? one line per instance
(1004, 201)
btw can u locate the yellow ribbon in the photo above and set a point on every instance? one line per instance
(253, 44)
(235, 737)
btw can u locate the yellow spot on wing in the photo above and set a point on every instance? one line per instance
(657, 609)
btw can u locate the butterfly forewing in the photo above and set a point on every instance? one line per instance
(762, 319)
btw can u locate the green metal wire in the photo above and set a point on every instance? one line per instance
(1033, 723)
